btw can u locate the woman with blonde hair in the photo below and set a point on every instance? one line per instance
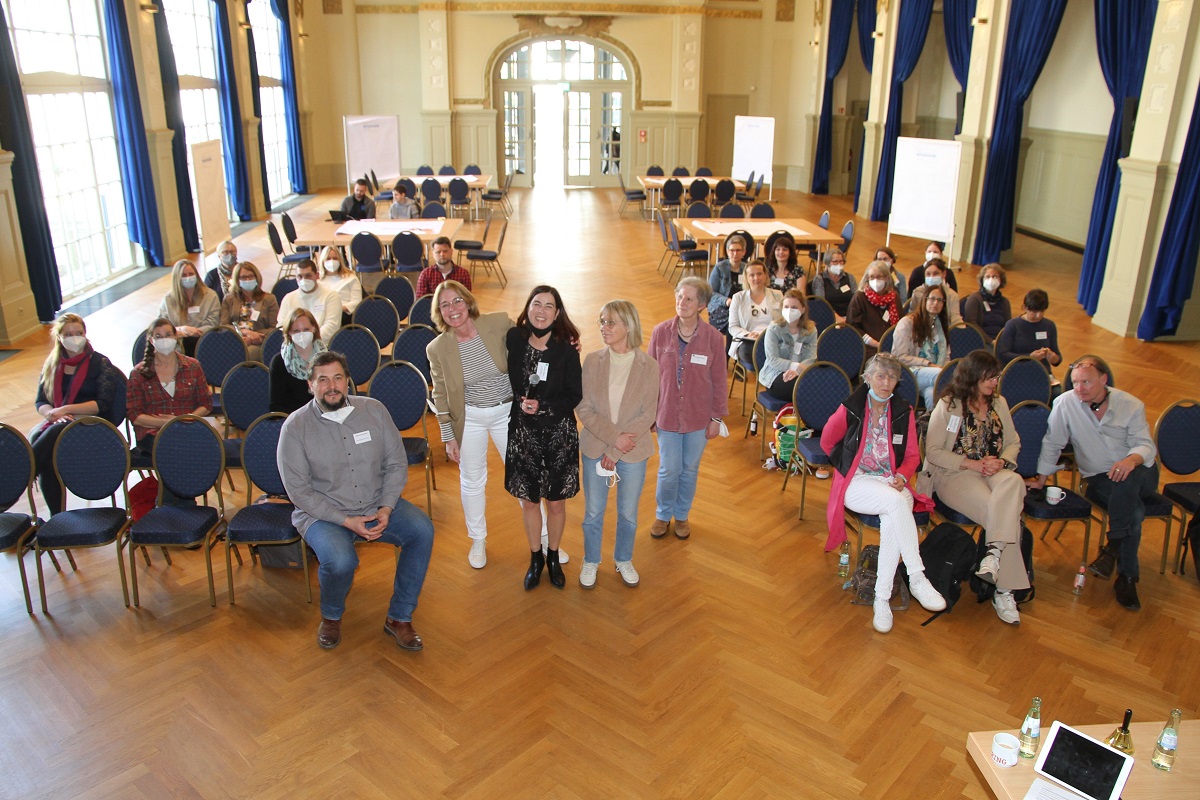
(76, 381)
(247, 307)
(337, 275)
(191, 307)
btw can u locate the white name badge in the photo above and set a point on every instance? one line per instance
(797, 347)
(543, 369)
(987, 306)
(898, 438)
(319, 310)
(954, 424)
(887, 315)
(362, 437)
(193, 309)
(844, 289)
(254, 314)
(1041, 335)
(697, 358)
(779, 281)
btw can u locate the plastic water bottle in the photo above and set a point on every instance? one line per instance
(1031, 729)
(844, 560)
(1080, 577)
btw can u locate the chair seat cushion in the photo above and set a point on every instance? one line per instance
(11, 527)
(810, 450)
(635, 194)
(468, 244)
(771, 403)
(493, 194)
(174, 525)
(81, 527)
(1186, 495)
(1072, 506)
(416, 448)
(368, 268)
(949, 514)
(265, 522)
(872, 520)
(294, 258)
(693, 255)
(482, 255)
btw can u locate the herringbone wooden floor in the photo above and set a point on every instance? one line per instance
(737, 669)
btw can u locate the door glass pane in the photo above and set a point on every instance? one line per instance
(579, 134)
(516, 132)
(610, 132)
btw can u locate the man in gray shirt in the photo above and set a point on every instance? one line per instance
(1115, 453)
(344, 466)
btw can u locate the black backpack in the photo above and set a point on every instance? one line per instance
(983, 590)
(948, 553)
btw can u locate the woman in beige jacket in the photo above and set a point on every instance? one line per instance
(620, 401)
(970, 457)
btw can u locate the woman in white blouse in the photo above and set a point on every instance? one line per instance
(336, 275)
(752, 310)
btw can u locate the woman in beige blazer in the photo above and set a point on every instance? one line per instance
(620, 401)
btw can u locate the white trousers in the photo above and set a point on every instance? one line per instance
(871, 494)
(478, 425)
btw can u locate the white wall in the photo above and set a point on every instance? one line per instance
(1070, 94)
(390, 84)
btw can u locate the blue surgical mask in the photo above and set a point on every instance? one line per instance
(877, 398)
(248, 286)
(933, 280)
(188, 282)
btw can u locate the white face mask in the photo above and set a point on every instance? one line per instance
(930, 255)
(340, 415)
(333, 265)
(877, 285)
(790, 315)
(302, 339)
(611, 474)
(164, 346)
(307, 285)
(188, 282)
(836, 269)
(74, 344)
(990, 285)
(933, 280)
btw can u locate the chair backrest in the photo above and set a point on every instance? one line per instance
(762, 211)
(431, 189)
(403, 390)
(703, 172)
(422, 311)
(819, 390)
(409, 252)
(410, 188)
(460, 192)
(842, 345)
(366, 250)
(821, 313)
(17, 476)
(218, 351)
(944, 377)
(260, 446)
(1022, 379)
(189, 457)
(758, 186)
(885, 341)
(410, 346)
(655, 170)
(500, 240)
(662, 227)
(508, 181)
(400, 292)
(271, 346)
(433, 210)
(823, 222)
(447, 169)
(245, 393)
(374, 180)
(283, 287)
(120, 401)
(680, 172)
(1030, 419)
(732, 211)
(965, 339)
(1067, 384)
(424, 169)
(759, 354)
(91, 459)
(1176, 434)
(847, 236)
(907, 387)
(289, 228)
(699, 210)
(138, 353)
(273, 236)
(361, 349)
(672, 191)
(379, 316)
(698, 189)
(724, 191)
(472, 169)
(750, 181)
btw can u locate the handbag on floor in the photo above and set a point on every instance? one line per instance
(862, 582)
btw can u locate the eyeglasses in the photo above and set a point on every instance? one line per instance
(933, 298)
(455, 303)
(159, 337)
(608, 324)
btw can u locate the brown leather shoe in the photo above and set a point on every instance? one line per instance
(330, 633)
(683, 529)
(659, 528)
(406, 637)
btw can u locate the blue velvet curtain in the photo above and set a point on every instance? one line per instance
(233, 145)
(255, 92)
(841, 19)
(133, 154)
(912, 28)
(956, 21)
(866, 17)
(291, 106)
(170, 86)
(1123, 29)
(1175, 266)
(17, 138)
(1032, 26)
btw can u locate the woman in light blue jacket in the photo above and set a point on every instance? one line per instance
(791, 346)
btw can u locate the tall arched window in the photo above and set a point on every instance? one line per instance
(270, 98)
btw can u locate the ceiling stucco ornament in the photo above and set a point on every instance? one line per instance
(556, 25)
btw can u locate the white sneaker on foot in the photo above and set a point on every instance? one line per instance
(1006, 608)
(628, 573)
(926, 595)
(587, 574)
(883, 616)
(477, 558)
(989, 567)
(562, 554)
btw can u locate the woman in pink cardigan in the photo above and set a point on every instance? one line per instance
(872, 443)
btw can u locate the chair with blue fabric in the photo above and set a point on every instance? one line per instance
(447, 169)
(287, 261)
(490, 259)
(762, 211)
(380, 196)
(766, 405)
(366, 252)
(1157, 507)
(699, 210)
(361, 349)
(631, 196)
(671, 245)
(189, 459)
(139, 348)
(703, 172)
(698, 191)
(821, 313)
(400, 292)
(410, 347)
(17, 529)
(1030, 420)
(218, 351)
(262, 524)
(819, 390)
(885, 341)
(460, 197)
(745, 371)
(91, 460)
(247, 397)
(847, 236)
(724, 193)
(843, 345)
(408, 251)
(746, 198)
(499, 197)
(410, 189)
(671, 196)
(422, 311)
(732, 211)
(431, 191)
(403, 390)
(906, 387)
(462, 246)
(814, 251)
(433, 210)
(944, 377)
(654, 170)
(424, 169)
(856, 523)
(378, 315)
(1175, 436)
(271, 346)
(289, 230)
(284, 287)
(1022, 379)
(687, 259)
(472, 169)
(965, 339)
(680, 172)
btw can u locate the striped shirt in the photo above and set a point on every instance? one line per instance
(485, 386)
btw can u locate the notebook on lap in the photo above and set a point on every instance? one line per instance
(1076, 761)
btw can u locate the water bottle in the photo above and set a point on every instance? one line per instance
(844, 560)
(1080, 577)
(1031, 729)
(1168, 741)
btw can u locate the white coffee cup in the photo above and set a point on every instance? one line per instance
(1054, 495)
(1005, 747)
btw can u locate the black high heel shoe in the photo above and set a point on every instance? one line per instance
(555, 569)
(536, 562)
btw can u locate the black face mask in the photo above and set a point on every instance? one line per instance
(539, 332)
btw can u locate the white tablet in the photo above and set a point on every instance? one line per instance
(1083, 764)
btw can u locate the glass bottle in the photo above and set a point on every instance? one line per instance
(844, 560)
(1080, 577)
(1121, 738)
(1168, 741)
(1031, 729)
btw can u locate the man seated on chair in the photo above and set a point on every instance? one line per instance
(442, 269)
(1115, 453)
(359, 205)
(402, 207)
(324, 303)
(344, 466)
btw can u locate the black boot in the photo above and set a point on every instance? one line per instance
(536, 562)
(1104, 564)
(555, 569)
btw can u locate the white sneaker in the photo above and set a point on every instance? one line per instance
(562, 554)
(628, 573)
(926, 595)
(989, 567)
(587, 574)
(1006, 608)
(883, 616)
(478, 555)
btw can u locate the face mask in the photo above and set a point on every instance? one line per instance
(188, 282)
(540, 332)
(307, 285)
(836, 269)
(302, 339)
(933, 280)
(164, 346)
(248, 286)
(74, 344)
(338, 415)
(611, 474)
(227, 259)
(931, 255)
(990, 285)
(877, 285)
(877, 398)
(790, 315)
(333, 265)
